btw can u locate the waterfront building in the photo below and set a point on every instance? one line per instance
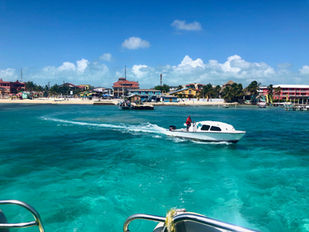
(185, 93)
(77, 87)
(70, 85)
(9, 87)
(73, 89)
(84, 87)
(105, 92)
(293, 93)
(144, 94)
(147, 92)
(122, 86)
(174, 88)
(168, 98)
(228, 83)
(137, 98)
(196, 86)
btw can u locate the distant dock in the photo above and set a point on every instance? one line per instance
(296, 107)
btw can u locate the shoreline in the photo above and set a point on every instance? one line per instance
(77, 101)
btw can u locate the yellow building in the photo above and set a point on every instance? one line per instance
(185, 93)
(84, 87)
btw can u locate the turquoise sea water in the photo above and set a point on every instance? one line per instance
(87, 168)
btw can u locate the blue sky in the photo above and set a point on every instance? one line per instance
(187, 41)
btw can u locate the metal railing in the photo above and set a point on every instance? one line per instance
(209, 222)
(188, 217)
(141, 216)
(35, 214)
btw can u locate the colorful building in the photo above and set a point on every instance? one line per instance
(84, 87)
(104, 92)
(196, 86)
(185, 93)
(147, 92)
(168, 98)
(9, 87)
(293, 93)
(144, 94)
(122, 86)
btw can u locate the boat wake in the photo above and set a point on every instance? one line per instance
(146, 127)
(216, 143)
(153, 129)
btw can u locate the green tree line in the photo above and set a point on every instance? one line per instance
(53, 90)
(233, 92)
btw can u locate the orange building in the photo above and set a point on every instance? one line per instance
(9, 87)
(294, 93)
(122, 86)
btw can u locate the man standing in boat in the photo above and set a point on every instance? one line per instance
(188, 122)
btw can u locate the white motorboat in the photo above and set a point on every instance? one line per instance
(262, 104)
(209, 131)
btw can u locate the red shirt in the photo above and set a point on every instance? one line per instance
(188, 120)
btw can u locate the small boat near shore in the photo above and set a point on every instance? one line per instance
(127, 105)
(262, 104)
(141, 107)
(208, 131)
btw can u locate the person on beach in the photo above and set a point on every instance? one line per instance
(188, 122)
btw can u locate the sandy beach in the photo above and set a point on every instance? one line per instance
(67, 101)
(80, 101)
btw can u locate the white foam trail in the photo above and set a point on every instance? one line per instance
(204, 142)
(179, 140)
(82, 123)
(147, 128)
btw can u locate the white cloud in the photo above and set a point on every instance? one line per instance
(140, 70)
(187, 62)
(187, 70)
(67, 66)
(197, 70)
(183, 25)
(304, 70)
(8, 74)
(135, 43)
(80, 73)
(81, 65)
(106, 57)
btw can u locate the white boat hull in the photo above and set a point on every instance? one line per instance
(232, 137)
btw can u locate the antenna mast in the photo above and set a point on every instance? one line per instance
(125, 72)
(161, 79)
(21, 75)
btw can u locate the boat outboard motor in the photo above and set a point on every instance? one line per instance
(172, 128)
(3, 221)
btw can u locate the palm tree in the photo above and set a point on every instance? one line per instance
(270, 92)
(278, 92)
(233, 93)
(206, 91)
(252, 91)
(164, 88)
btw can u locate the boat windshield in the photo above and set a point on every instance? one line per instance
(205, 127)
(215, 128)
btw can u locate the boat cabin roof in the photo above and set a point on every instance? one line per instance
(222, 125)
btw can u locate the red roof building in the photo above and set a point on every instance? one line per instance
(9, 87)
(295, 93)
(122, 85)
